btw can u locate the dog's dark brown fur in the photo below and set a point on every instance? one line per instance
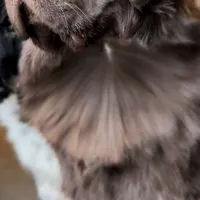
(55, 25)
(80, 22)
(124, 125)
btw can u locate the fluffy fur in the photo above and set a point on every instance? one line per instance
(124, 126)
(123, 121)
(78, 23)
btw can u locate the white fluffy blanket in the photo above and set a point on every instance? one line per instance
(32, 151)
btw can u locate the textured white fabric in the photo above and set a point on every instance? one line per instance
(32, 151)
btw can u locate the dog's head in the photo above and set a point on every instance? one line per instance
(54, 23)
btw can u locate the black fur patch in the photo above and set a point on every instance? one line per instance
(9, 53)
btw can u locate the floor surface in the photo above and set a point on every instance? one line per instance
(15, 183)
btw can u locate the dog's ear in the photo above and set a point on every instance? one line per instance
(49, 33)
(13, 10)
(43, 37)
(26, 25)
